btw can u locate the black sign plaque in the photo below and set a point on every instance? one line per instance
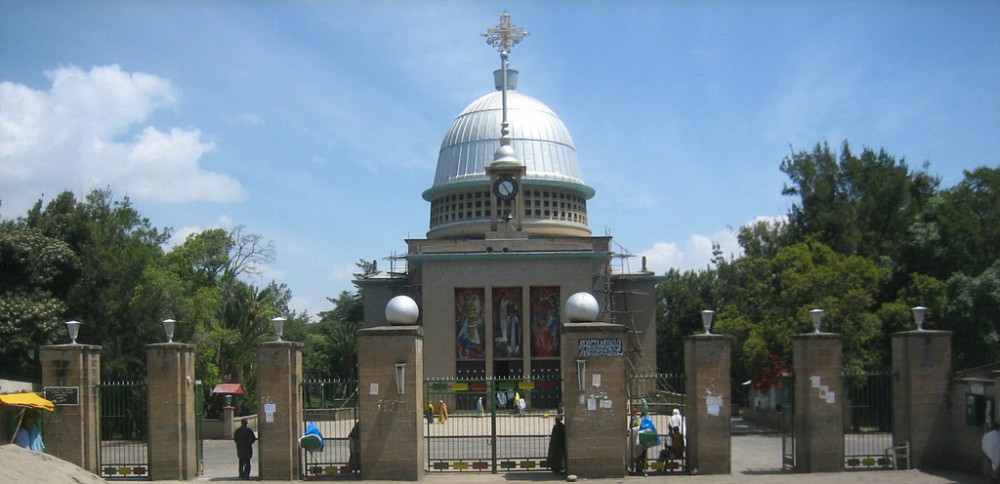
(63, 395)
(601, 347)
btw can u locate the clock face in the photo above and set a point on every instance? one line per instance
(505, 188)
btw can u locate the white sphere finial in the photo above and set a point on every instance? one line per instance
(401, 310)
(582, 307)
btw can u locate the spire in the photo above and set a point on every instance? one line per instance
(504, 37)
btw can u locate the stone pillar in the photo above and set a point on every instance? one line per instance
(172, 437)
(819, 402)
(597, 414)
(708, 402)
(279, 410)
(228, 418)
(392, 429)
(921, 360)
(72, 432)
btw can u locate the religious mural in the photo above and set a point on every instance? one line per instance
(507, 317)
(544, 321)
(470, 343)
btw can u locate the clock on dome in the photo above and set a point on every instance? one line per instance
(505, 187)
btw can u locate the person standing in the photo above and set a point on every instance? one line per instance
(28, 436)
(443, 411)
(557, 447)
(244, 438)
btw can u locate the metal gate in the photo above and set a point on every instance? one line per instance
(867, 420)
(199, 418)
(657, 396)
(788, 422)
(484, 429)
(124, 446)
(333, 406)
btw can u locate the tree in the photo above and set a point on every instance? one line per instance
(332, 353)
(960, 230)
(35, 272)
(857, 205)
(973, 314)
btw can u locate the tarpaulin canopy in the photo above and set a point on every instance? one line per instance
(27, 400)
(232, 388)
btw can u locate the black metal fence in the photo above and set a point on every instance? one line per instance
(485, 429)
(787, 389)
(658, 395)
(332, 405)
(867, 420)
(124, 449)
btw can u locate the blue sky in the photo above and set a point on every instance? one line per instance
(317, 124)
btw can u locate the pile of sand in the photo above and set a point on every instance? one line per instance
(21, 465)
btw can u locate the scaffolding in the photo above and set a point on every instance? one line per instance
(618, 292)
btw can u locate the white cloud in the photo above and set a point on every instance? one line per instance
(87, 131)
(695, 253)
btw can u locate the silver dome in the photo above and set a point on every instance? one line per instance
(540, 140)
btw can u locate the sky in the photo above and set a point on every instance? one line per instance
(317, 124)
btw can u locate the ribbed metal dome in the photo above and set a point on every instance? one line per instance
(540, 140)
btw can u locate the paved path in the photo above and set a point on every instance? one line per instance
(756, 458)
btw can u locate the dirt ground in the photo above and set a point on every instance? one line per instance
(21, 465)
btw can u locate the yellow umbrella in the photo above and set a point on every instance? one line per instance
(27, 400)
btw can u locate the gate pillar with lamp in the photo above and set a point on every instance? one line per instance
(280, 421)
(70, 375)
(921, 360)
(708, 400)
(819, 399)
(173, 445)
(595, 394)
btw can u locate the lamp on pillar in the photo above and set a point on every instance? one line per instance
(400, 378)
(168, 328)
(74, 329)
(918, 316)
(279, 326)
(581, 374)
(817, 318)
(706, 320)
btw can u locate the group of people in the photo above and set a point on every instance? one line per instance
(644, 436)
(442, 412)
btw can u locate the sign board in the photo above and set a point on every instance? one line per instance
(63, 395)
(600, 347)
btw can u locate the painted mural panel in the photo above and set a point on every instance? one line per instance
(544, 321)
(470, 341)
(507, 317)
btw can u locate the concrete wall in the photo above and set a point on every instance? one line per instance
(216, 429)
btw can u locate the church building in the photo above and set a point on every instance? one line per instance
(509, 243)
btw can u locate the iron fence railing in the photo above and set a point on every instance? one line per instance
(485, 429)
(124, 449)
(332, 405)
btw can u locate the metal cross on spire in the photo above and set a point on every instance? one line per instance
(504, 36)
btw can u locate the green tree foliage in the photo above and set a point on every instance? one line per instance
(866, 239)
(35, 273)
(858, 205)
(333, 347)
(974, 316)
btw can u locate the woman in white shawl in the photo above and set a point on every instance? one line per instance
(991, 447)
